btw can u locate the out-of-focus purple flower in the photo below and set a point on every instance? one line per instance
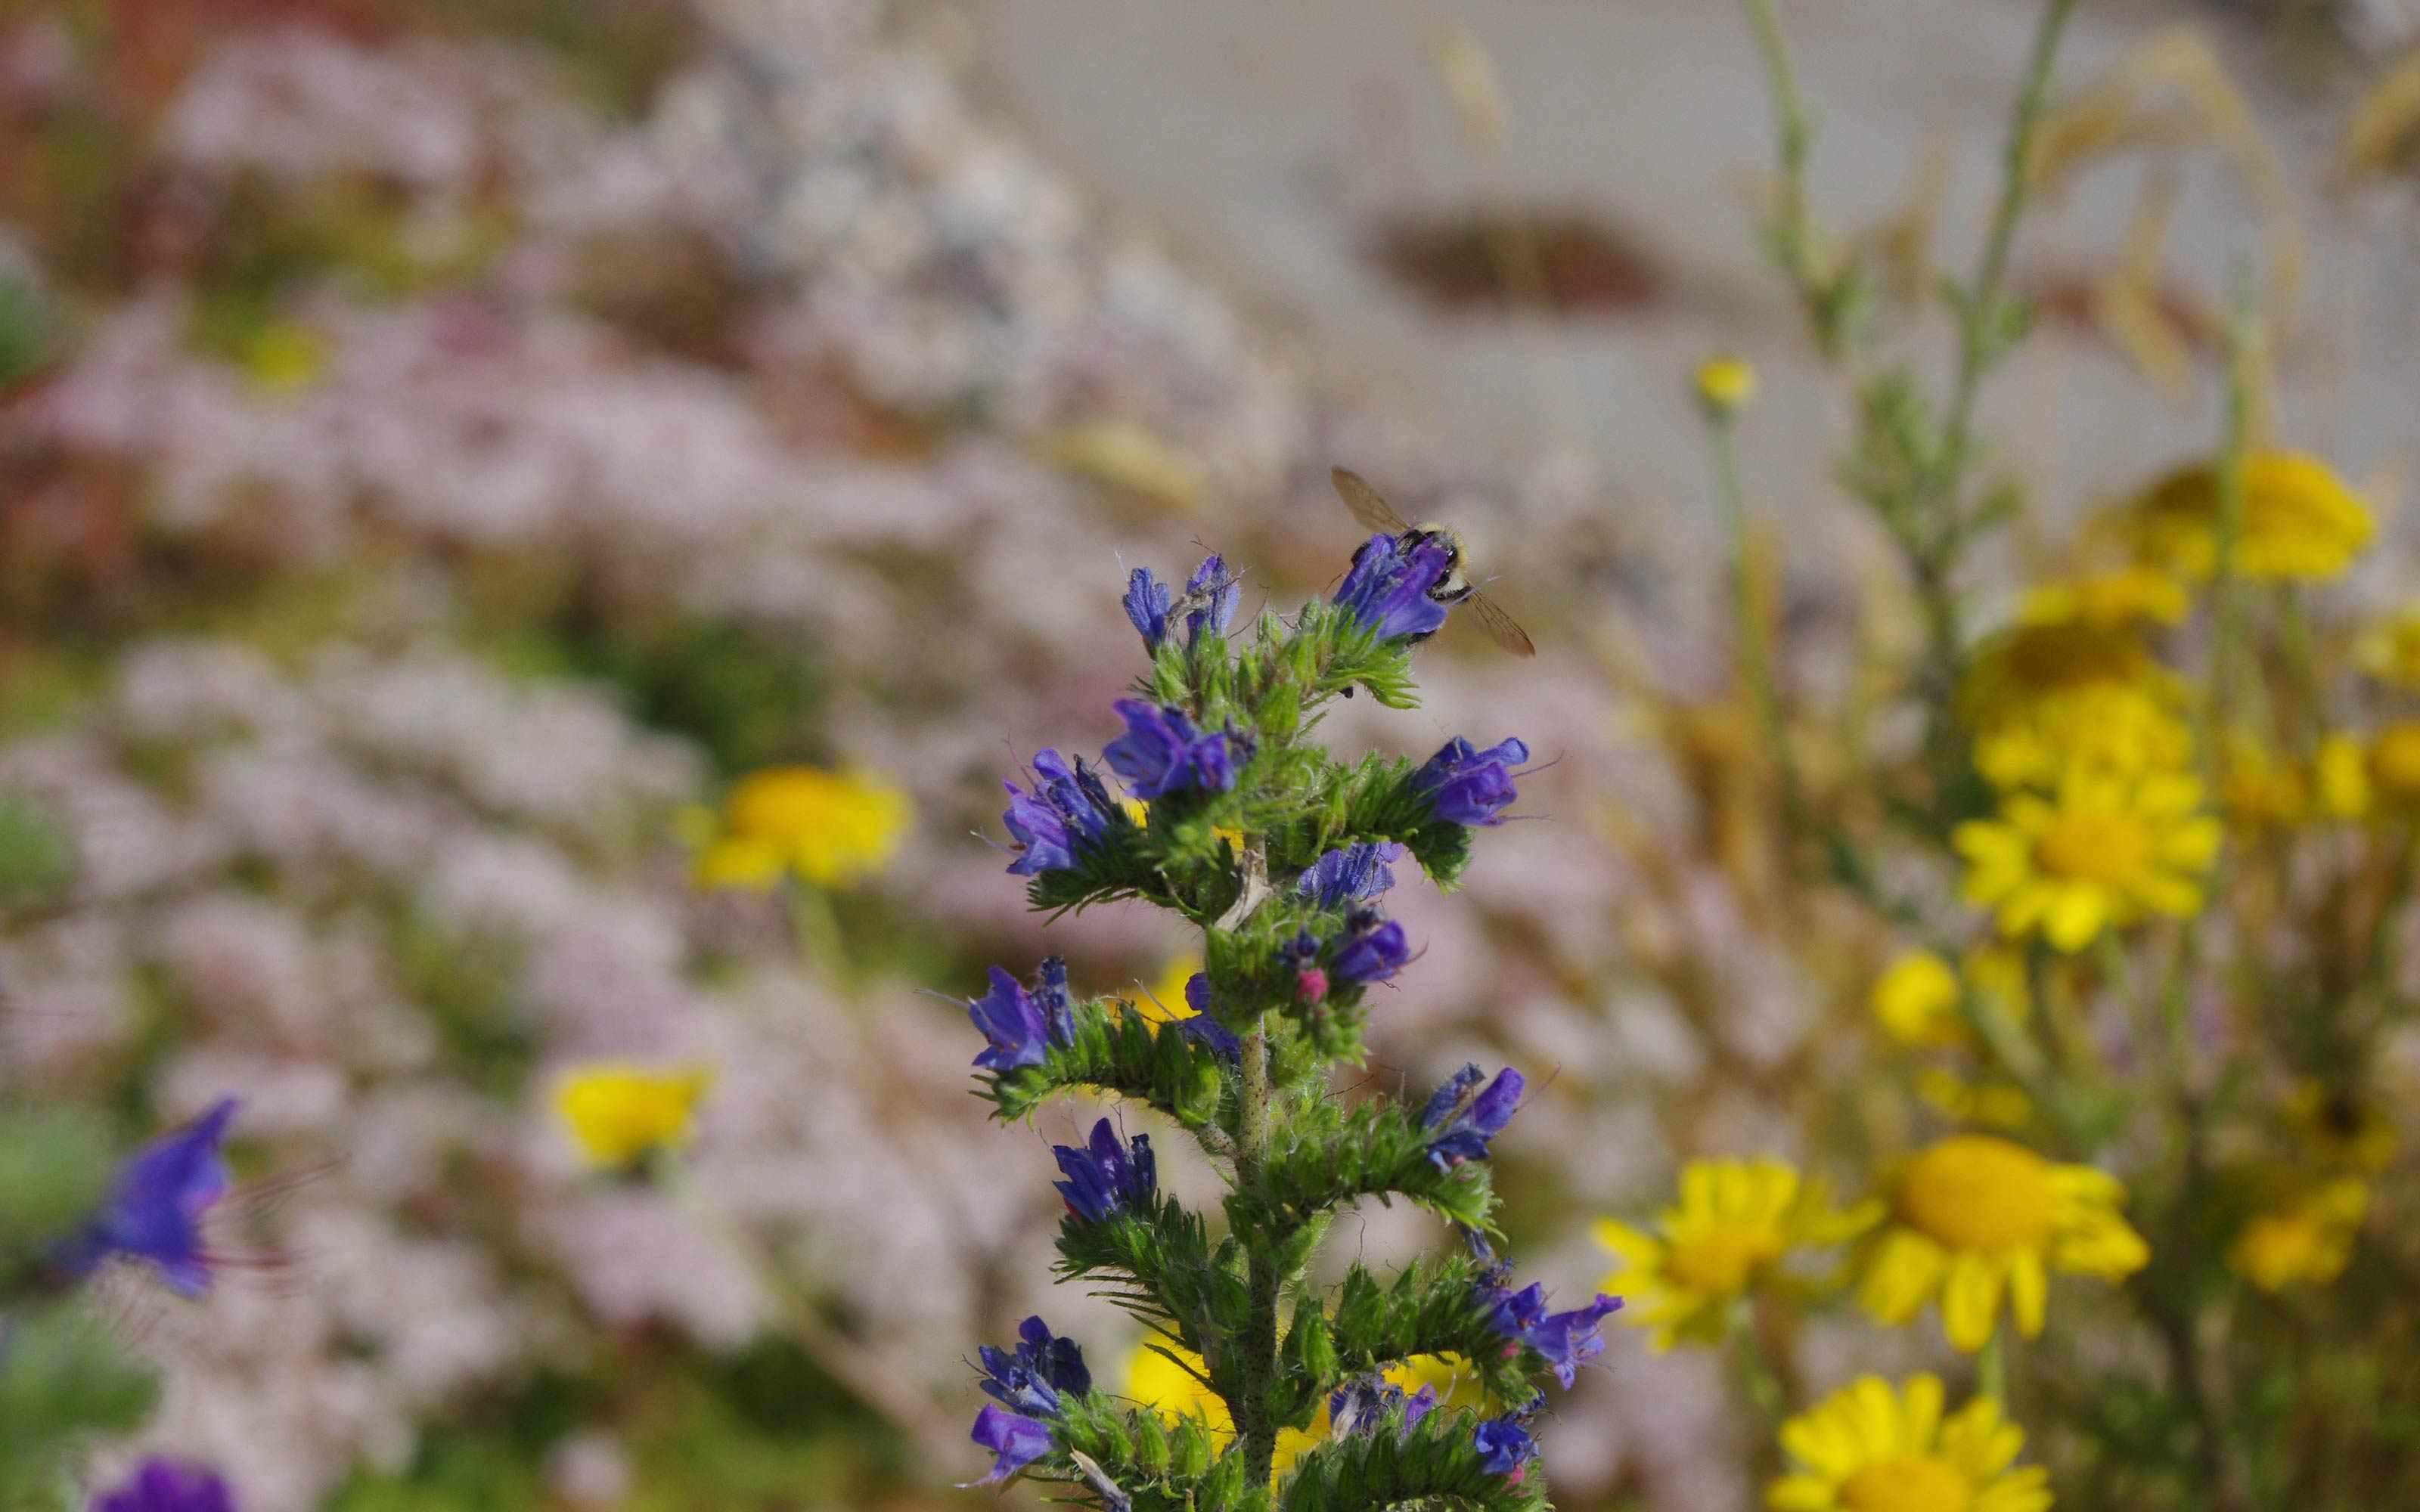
(1210, 597)
(1068, 809)
(1371, 949)
(1466, 1116)
(1015, 1440)
(1147, 604)
(1162, 752)
(1360, 1408)
(1568, 1340)
(1030, 1377)
(1469, 786)
(1023, 1025)
(1203, 1026)
(1356, 873)
(154, 1212)
(1107, 1177)
(165, 1486)
(1389, 588)
(1505, 1447)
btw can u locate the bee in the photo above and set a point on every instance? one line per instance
(1455, 587)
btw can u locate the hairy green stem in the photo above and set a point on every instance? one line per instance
(1258, 1367)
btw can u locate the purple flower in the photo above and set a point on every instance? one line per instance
(154, 1212)
(1030, 1377)
(1371, 949)
(1360, 1408)
(1068, 809)
(1390, 587)
(1162, 752)
(1016, 1441)
(165, 1486)
(1567, 1339)
(1107, 1177)
(1356, 873)
(1204, 1026)
(1147, 607)
(1464, 1122)
(1023, 1025)
(1209, 601)
(1467, 786)
(1504, 1446)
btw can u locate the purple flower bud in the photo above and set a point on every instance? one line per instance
(1567, 1339)
(1387, 590)
(1310, 985)
(1356, 873)
(1464, 1122)
(1504, 1446)
(1106, 1176)
(165, 1486)
(1162, 752)
(1467, 786)
(1371, 949)
(1023, 1025)
(1016, 1441)
(154, 1212)
(1147, 603)
(1211, 595)
(1030, 1378)
(1068, 809)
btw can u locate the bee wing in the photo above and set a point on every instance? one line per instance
(1370, 510)
(1500, 627)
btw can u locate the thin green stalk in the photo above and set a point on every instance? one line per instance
(1762, 1382)
(815, 928)
(1976, 353)
(1260, 1341)
(1992, 1368)
(1756, 661)
(2243, 341)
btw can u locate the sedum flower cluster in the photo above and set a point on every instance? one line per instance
(1282, 856)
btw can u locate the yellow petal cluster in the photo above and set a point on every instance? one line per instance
(1872, 1448)
(2300, 521)
(1736, 1222)
(1975, 1221)
(826, 829)
(2307, 1240)
(620, 1113)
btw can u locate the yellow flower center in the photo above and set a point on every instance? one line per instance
(1720, 1258)
(1978, 1194)
(2109, 848)
(1907, 1482)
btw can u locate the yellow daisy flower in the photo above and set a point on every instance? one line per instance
(2299, 519)
(1736, 1222)
(2308, 1240)
(2102, 852)
(2111, 600)
(1975, 1218)
(1870, 1448)
(1915, 999)
(2340, 777)
(2394, 765)
(2390, 650)
(829, 828)
(619, 1113)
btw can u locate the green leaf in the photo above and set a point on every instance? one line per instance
(1116, 1050)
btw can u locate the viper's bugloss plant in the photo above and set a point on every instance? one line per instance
(1281, 855)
